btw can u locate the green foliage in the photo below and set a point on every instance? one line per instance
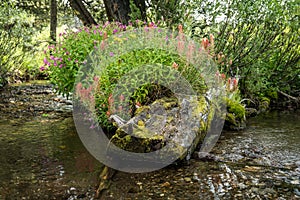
(144, 94)
(15, 30)
(259, 38)
(71, 52)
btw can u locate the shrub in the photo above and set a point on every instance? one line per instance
(149, 63)
(63, 60)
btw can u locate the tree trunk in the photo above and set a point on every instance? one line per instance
(119, 10)
(83, 14)
(53, 23)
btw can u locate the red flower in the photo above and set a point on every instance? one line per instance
(223, 76)
(180, 28)
(205, 43)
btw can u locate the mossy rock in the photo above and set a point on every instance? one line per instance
(236, 115)
(165, 121)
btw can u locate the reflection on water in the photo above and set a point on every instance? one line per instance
(43, 159)
(41, 156)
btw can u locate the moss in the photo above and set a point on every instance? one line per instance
(142, 109)
(141, 123)
(264, 104)
(230, 118)
(201, 106)
(237, 109)
(273, 94)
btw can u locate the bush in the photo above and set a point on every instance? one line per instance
(138, 67)
(15, 31)
(63, 60)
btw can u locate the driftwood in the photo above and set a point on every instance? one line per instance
(289, 96)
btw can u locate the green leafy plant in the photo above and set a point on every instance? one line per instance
(63, 60)
(152, 72)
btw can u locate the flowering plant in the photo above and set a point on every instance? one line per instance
(63, 60)
(135, 68)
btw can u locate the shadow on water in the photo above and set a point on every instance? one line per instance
(41, 157)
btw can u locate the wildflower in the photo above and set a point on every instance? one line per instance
(55, 63)
(205, 43)
(96, 80)
(120, 108)
(108, 114)
(111, 54)
(115, 31)
(51, 57)
(45, 61)
(86, 30)
(95, 32)
(191, 48)
(61, 65)
(138, 104)
(42, 68)
(175, 65)
(102, 45)
(180, 28)
(110, 100)
(223, 76)
(180, 46)
(121, 97)
(78, 88)
(67, 53)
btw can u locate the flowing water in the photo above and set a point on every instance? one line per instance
(41, 157)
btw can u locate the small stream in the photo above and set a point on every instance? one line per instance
(42, 157)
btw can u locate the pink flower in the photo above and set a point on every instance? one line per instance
(120, 108)
(175, 65)
(45, 61)
(180, 28)
(205, 43)
(42, 68)
(121, 97)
